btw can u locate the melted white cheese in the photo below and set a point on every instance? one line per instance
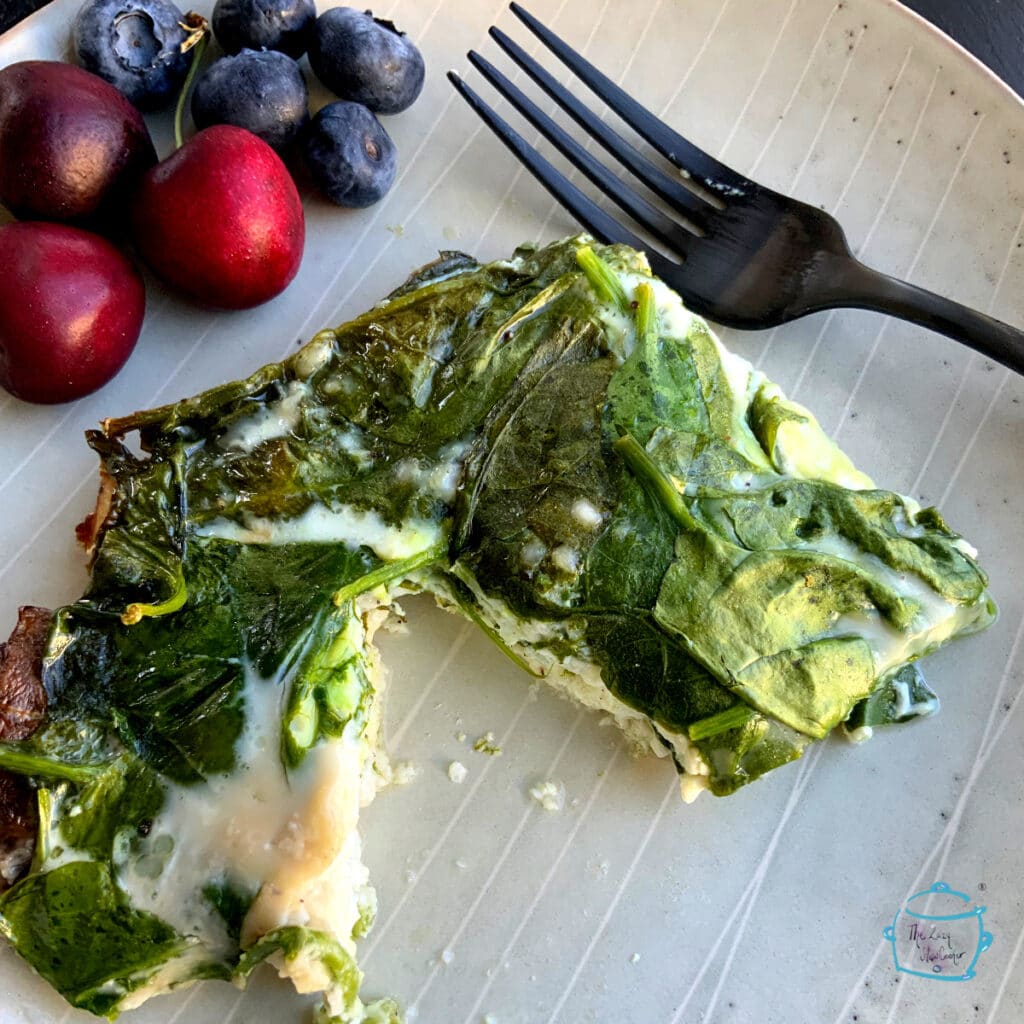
(269, 421)
(586, 514)
(352, 442)
(905, 706)
(172, 974)
(354, 527)
(936, 621)
(233, 823)
(439, 478)
(290, 837)
(315, 354)
(532, 553)
(566, 558)
(316, 875)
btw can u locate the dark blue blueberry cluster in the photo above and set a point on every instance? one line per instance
(375, 69)
(137, 45)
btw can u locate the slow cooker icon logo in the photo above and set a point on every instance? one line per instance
(938, 934)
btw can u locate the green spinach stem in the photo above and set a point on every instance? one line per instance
(646, 315)
(22, 763)
(654, 480)
(731, 718)
(602, 278)
(390, 571)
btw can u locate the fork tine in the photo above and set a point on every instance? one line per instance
(702, 167)
(648, 216)
(600, 224)
(669, 188)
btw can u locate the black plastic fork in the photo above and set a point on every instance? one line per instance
(744, 255)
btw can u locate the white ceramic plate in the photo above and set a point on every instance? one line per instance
(627, 905)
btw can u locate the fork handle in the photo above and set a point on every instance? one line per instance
(859, 286)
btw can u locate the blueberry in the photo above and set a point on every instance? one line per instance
(351, 158)
(135, 45)
(261, 91)
(257, 24)
(364, 59)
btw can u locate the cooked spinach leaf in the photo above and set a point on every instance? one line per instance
(78, 929)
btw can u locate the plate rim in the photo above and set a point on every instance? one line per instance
(957, 49)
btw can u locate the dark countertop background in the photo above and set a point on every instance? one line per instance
(992, 30)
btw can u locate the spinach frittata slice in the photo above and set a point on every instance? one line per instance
(554, 447)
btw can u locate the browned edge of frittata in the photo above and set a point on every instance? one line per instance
(22, 711)
(91, 529)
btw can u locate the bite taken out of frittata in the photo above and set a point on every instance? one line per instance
(554, 448)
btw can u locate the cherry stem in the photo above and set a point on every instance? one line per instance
(198, 29)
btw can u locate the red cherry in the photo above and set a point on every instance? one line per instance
(221, 220)
(71, 146)
(71, 308)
